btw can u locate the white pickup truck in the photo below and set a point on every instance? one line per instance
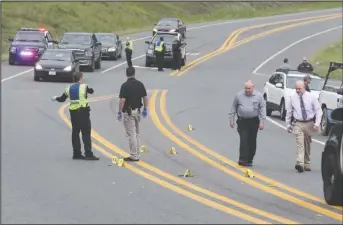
(330, 98)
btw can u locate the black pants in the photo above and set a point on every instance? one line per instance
(247, 129)
(160, 61)
(177, 60)
(128, 53)
(80, 121)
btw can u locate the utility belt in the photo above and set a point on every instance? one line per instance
(130, 111)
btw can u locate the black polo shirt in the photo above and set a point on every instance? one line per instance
(133, 91)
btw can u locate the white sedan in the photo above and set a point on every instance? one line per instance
(281, 85)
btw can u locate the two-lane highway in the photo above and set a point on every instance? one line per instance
(41, 184)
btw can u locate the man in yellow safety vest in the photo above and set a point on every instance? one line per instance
(128, 51)
(160, 48)
(79, 116)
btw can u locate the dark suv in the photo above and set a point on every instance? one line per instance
(86, 47)
(28, 45)
(332, 161)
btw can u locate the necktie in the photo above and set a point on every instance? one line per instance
(303, 110)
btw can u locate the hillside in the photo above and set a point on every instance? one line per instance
(128, 17)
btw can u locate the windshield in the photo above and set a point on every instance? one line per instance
(80, 39)
(167, 23)
(106, 39)
(168, 39)
(56, 55)
(29, 36)
(316, 84)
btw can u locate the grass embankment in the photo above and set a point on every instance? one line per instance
(129, 17)
(321, 61)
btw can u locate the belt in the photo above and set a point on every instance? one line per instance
(304, 121)
(248, 118)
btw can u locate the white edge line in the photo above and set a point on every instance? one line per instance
(290, 46)
(17, 75)
(120, 64)
(281, 51)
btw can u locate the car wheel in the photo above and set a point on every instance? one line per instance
(98, 63)
(115, 56)
(269, 111)
(282, 110)
(36, 78)
(184, 34)
(183, 61)
(11, 60)
(324, 123)
(147, 63)
(92, 66)
(332, 179)
(119, 56)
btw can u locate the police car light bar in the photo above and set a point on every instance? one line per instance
(32, 29)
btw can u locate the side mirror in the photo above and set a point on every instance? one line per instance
(337, 114)
(53, 41)
(98, 43)
(278, 85)
(10, 39)
(340, 91)
(147, 42)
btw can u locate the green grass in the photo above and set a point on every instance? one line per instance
(321, 61)
(130, 17)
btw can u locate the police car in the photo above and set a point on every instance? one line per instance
(150, 58)
(28, 45)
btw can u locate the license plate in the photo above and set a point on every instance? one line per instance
(52, 72)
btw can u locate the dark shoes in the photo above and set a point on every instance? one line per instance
(302, 168)
(93, 157)
(129, 159)
(242, 163)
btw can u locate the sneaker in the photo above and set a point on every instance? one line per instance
(307, 167)
(78, 157)
(131, 159)
(93, 157)
(299, 167)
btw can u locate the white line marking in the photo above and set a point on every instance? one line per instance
(144, 67)
(290, 46)
(120, 64)
(283, 127)
(17, 75)
(281, 51)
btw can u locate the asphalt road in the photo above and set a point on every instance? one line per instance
(42, 184)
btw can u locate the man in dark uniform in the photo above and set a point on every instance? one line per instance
(79, 116)
(131, 94)
(160, 48)
(176, 54)
(305, 66)
(128, 51)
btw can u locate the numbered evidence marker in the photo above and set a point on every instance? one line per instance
(172, 151)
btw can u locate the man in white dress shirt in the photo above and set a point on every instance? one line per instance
(307, 113)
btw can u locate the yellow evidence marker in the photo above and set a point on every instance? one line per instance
(114, 159)
(143, 148)
(188, 173)
(248, 173)
(172, 151)
(121, 163)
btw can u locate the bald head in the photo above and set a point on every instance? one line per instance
(249, 87)
(300, 87)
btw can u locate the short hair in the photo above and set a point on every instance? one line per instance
(130, 71)
(285, 60)
(77, 76)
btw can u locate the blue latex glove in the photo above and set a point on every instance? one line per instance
(119, 116)
(145, 112)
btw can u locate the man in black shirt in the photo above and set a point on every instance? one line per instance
(79, 116)
(305, 66)
(176, 54)
(131, 94)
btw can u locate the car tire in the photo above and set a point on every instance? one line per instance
(119, 56)
(98, 63)
(282, 110)
(269, 111)
(115, 56)
(147, 63)
(91, 68)
(184, 34)
(36, 78)
(183, 61)
(11, 60)
(324, 123)
(332, 178)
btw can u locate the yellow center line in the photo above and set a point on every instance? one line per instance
(231, 39)
(236, 175)
(180, 181)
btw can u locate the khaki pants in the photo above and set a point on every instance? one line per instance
(131, 124)
(303, 132)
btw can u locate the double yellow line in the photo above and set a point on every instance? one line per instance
(230, 42)
(218, 165)
(181, 186)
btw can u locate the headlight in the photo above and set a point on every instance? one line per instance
(150, 51)
(111, 49)
(155, 29)
(172, 30)
(13, 49)
(38, 67)
(41, 49)
(68, 68)
(89, 53)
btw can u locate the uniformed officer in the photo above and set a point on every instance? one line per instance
(131, 94)
(250, 108)
(160, 48)
(128, 51)
(305, 66)
(79, 116)
(176, 47)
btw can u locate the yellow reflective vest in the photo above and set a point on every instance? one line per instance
(77, 95)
